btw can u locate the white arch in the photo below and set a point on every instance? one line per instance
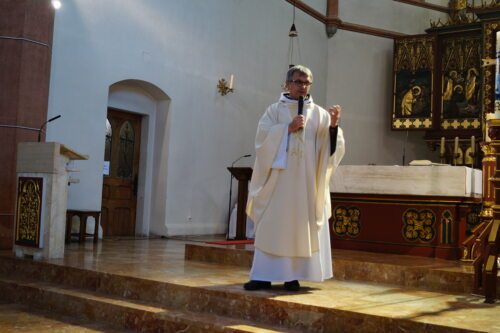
(147, 99)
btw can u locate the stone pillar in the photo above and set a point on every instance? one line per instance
(26, 28)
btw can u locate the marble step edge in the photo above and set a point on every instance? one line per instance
(422, 277)
(261, 307)
(235, 304)
(134, 315)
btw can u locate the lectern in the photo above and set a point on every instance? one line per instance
(243, 175)
(42, 187)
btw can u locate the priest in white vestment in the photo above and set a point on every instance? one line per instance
(289, 196)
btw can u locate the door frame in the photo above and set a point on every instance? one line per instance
(152, 103)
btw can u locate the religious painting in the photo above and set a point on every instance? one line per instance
(29, 211)
(413, 83)
(461, 83)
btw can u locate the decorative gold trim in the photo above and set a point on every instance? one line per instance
(447, 227)
(489, 51)
(488, 149)
(347, 221)
(418, 225)
(28, 211)
(486, 213)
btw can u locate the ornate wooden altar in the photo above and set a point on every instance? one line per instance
(424, 210)
(446, 84)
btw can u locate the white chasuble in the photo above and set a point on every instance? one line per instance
(290, 204)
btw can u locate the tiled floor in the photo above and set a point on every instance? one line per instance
(163, 260)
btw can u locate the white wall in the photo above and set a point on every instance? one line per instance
(360, 79)
(183, 48)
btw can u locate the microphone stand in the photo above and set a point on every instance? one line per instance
(404, 148)
(231, 192)
(45, 123)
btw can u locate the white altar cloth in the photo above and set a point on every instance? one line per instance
(442, 180)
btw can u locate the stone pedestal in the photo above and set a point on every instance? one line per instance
(42, 187)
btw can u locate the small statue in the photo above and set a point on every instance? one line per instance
(458, 11)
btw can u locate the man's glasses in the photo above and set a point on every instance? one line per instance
(301, 83)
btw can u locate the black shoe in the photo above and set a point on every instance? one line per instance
(292, 285)
(257, 285)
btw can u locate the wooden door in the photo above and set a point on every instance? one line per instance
(119, 192)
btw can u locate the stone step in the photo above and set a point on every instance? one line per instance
(400, 270)
(15, 318)
(329, 307)
(122, 312)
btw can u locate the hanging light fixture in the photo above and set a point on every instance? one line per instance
(293, 39)
(56, 4)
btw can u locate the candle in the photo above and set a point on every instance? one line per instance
(497, 78)
(442, 146)
(472, 145)
(231, 80)
(455, 150)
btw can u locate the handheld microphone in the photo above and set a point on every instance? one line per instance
(301, 108)
(45, 123)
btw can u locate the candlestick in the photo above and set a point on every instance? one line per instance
(231, 80)
(455, 149)
(442, 148)
(497, 79)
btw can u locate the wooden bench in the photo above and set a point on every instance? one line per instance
(82, 215)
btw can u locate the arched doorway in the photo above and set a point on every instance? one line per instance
(135, 158)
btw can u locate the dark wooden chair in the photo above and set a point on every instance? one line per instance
(82, 215)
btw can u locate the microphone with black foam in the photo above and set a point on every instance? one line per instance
(45, 123)
(301, 107)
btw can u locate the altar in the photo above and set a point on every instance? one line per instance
(413, 210)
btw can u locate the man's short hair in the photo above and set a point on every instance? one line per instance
(300, 69)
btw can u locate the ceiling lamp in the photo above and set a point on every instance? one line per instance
(56, 4)
(293, 43)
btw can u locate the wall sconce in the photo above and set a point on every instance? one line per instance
(222, 86)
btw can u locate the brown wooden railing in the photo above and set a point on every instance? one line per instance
(488, 240)
(478, 253)
(490, 269)
(472, 243)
